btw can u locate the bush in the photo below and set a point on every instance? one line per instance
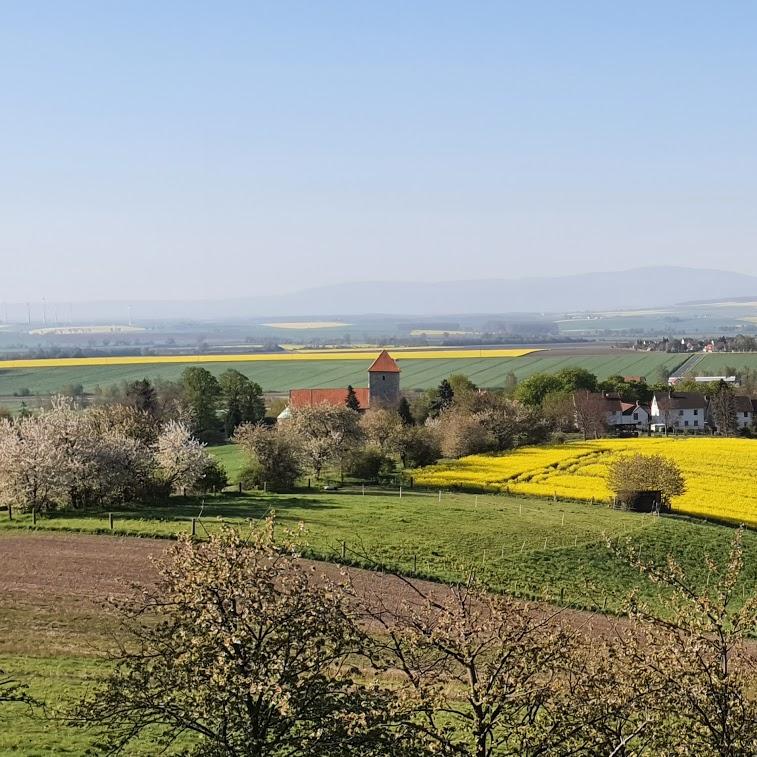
(367, 464)
(214, 478)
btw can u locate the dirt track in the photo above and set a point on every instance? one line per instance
(52, 588)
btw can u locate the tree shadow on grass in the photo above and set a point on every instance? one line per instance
(236, 507)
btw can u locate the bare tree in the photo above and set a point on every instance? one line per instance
(591, 416)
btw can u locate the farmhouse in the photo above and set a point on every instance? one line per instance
(679, 411)
(621, 415)
(746, 411)
(383, 389)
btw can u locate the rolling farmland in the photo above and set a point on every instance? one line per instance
(277, 373)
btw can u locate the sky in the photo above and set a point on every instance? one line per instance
(182, 150)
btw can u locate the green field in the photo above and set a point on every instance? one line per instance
(280, 376)
(532, 548)
(715, 364)
(59, 682)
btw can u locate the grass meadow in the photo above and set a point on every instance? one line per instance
(532, 548)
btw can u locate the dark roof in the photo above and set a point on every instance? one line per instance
(743, 404)
(384, 363)
(312, 397)
(629, 408)
(681, 400)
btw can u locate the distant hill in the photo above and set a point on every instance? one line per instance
(636, 288)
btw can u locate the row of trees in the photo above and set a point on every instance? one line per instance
(250, 652)
(66, 457)
(212, 407)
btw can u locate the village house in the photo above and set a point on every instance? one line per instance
(746, 411)
(383, 390)
(678, 411)
(622, 416)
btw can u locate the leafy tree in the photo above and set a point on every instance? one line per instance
(382, 428)
(461, 384)
(141, 395)
(406, 415)
(328, 434)
(534, 389)
(276, 455)
(444, 397)
(419, 446)
(249, 655)
(723, 410)
(637, 473)
(576, 379)
(241, 400)
(201, 394)
(351, 401)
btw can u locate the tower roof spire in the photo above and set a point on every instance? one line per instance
(384, 363)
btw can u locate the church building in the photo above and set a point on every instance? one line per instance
(383, 389)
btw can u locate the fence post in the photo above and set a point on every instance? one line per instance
(440, 495)
(412, 482)
(265, 486)
(110, 521)
(240, 487)
(562, 594)
(34, 516)
(10, 511)
(400, 492)
(194, 527)
(415, 564)
(308, 484)
(344, 550)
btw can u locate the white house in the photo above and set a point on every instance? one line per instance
(746, 411)
(678, 411)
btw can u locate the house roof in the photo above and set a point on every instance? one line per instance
(384, 363)
(743, 404)
(312, 397)
(681, 400)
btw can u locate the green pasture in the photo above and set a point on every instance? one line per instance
(529, 547)
(287, 374)
(59, 682)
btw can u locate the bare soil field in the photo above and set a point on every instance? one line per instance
(53, 590)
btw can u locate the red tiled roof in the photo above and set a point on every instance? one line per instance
(311, 397)
(384, 363)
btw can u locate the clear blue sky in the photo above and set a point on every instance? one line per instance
(183, 149)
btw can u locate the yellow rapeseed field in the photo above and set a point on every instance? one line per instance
(721, 474)
(430, 354)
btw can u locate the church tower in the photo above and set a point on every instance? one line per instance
(384, 382)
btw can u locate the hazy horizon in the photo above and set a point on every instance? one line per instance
(186, 151)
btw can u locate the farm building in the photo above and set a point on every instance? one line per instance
(679, 410)
(621, 415)
(383, 389)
